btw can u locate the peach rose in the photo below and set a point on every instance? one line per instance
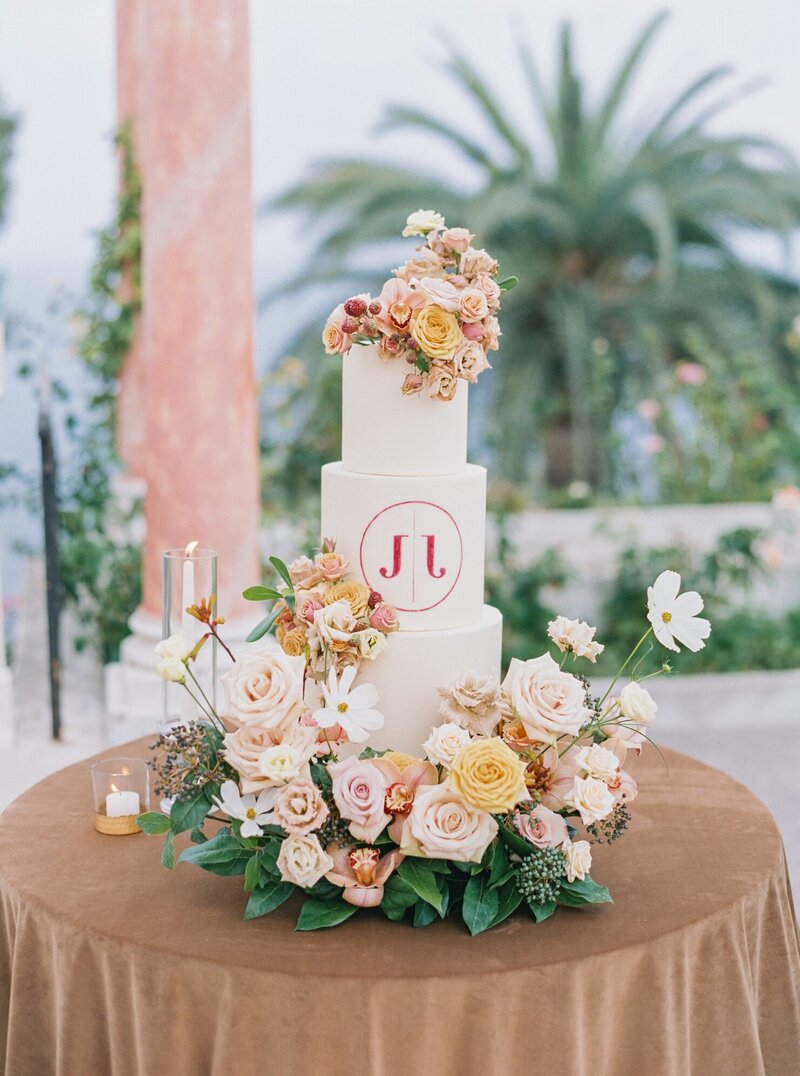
(444, 743)
(475, 262)
(384, 617)
(437, 331)
(304, 573)
(472, 305)
(550, 703)
(483, 282)
(457, 239)
(265, 690)
(303, 861)
(334, 339)
(470, 360)
(331, 565)
(299, 807)
(442, 825)
(391, 348)
(442, 381)
(359, 792)
(542, 827)
(472, 701)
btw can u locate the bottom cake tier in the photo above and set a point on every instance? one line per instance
(415, 663)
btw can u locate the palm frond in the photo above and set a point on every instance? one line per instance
(621, 81)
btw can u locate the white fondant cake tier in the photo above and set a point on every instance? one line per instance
(414, 664)
(387, 433)
(418, 541)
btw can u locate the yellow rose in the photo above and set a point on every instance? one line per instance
(487, 774)
(294, 642)
(356, 594)
(436, 331)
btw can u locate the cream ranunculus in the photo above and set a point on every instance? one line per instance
(442, 825)
(371, 643)
(444, 743)
(489, 775)
(472, 701)
(335, 623)
(637, 704)
(579, 859)
(172, 670)
(281, 763)
(436, 331)
(591, 798)
(550, 703)
(265, 689)
(303, 861)
(422, 222)
(597, 761)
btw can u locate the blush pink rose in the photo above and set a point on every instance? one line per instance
(331, 565)
(472, 305)
(457, 239)
(542, 827)
(483, 282)
(359, 791)
(385, 619)
(440, 292)
(265, 690)
(306, 605)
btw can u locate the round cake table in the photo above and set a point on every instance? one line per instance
(110, 965)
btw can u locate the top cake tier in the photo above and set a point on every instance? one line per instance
(387, 433)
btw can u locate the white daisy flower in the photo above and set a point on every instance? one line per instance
(674, 616)
(350, 709)
(254, 812)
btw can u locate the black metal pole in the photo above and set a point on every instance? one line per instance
(51, 560)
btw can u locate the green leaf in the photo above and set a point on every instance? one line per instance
(252, 873)
(585, 892)
(514, 841)
(423, 881)
(282, 571)
(262, 628)
(153, 822)
(500, 870)
(542, 911)
(480, 904)
(267, 898)
(261, 594)
(422, 363)
(168, 852)
(321, 776)
(398, 897)
(188, 813)
(509, 283)
(197, 836)
(317, 914)
(221, 855)
(324, 890)
(509, 899)
(424, 914)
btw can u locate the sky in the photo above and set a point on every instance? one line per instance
(322, 72)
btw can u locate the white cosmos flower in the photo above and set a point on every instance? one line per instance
(350, 709)
(254, 812)
(674, 616)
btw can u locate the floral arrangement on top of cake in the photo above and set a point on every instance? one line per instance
(516, 785)
(438, 314)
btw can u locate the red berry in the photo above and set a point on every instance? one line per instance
(349, 326)
(355, 307)
(375, 307)
(374, 599)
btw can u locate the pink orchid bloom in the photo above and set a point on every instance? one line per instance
(398, 302)
(401, 787)
(362, 872)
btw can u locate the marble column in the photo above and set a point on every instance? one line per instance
(200, 453)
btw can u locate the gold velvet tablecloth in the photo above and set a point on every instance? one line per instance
(111, 965)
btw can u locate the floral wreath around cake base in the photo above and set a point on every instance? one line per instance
(516, 783)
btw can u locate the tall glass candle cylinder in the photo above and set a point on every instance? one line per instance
(189, 578)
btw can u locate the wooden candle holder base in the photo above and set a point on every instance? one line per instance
(118, 825)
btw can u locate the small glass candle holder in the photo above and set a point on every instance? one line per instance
(189, 577)
(121, 789)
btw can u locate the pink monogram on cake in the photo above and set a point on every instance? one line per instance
(412, 552)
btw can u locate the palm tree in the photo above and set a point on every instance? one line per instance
(624, 241)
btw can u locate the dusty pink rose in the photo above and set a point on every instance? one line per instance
(442, 381)
(362, 872)
(490, 289)
(542, 827)
(299, 807)
(306, 604)
(690, 373)
(457, 239)
(474, 262)
(491, 333)
(549, 703)
(331, 565)
(473, 331)
(470, 361)
(390, 348)
(472, 305)
(442, 825)
(304, 573)
(359, 791)
(385, 619)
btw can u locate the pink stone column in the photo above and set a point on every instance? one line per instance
(131, 416)
(193, 143)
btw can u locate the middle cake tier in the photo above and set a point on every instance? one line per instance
(417, 540)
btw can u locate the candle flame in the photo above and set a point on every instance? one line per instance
(190, 549)
(114, 788)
